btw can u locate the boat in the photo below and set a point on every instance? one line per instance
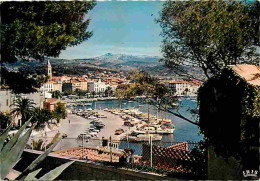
(142, 138)
(156, 129)
(137, 132)
(88, 104)
(130, 101)
(174, 104)
(146, 137)
(140, 105)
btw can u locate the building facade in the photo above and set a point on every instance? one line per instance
(48, 86)
(182, 87)
(97, 86)
(6, 100)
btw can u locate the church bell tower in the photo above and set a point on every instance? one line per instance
(49, 70)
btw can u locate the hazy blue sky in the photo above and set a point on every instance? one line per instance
(126, 27)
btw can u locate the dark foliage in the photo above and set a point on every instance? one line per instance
(41, 117)
(44, 28)
(227, 117)
(209, 34)
(20, 82)
(5, 120)
(34, 30)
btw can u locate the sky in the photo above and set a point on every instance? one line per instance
(126, 27)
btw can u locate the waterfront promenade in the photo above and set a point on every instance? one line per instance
(79, 125)
(76, 126)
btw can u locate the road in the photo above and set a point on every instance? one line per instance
(76, 126)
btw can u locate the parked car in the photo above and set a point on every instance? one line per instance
(119, 131)
(84, 135)
(64, 135)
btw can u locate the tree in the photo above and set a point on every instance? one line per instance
(80, 92)
(38, 29)
(5, 120)
(41, 117)
(93, 94)
(59, 112)
(33, 30)
(209, 34)
(56, 94)
(23, 107)
(19, 82)
(108, 91)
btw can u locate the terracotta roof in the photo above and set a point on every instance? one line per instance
(179, 82)
(251, 73)
(50, 81)
(75, 81)
(53, 101)
(56, 77)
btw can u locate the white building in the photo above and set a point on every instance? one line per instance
(5, 100)
(182, 87)
(36, 97)
(48, 86)
(97, 86)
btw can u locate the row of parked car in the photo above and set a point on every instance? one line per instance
(89, 133)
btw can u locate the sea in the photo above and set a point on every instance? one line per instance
(184, 131)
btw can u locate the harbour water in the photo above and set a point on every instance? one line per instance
(184, 131)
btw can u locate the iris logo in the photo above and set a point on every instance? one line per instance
(250, 173)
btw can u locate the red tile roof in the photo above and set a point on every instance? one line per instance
(251, 73)
(52, 100)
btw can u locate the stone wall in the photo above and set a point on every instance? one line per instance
(82, 170)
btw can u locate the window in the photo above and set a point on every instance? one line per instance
(6, 102)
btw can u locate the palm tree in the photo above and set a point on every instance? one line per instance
(23, 107)
(108, 91)
(41, 116)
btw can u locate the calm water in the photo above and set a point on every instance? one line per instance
(184, 131)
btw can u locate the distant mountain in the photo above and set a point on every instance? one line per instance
(121, 58)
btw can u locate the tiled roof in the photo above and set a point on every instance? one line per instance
(53, 101)
(50, 81)
(75, 81)
(179, 82)
(251, 73)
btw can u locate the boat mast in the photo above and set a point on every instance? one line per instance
(165, 112)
